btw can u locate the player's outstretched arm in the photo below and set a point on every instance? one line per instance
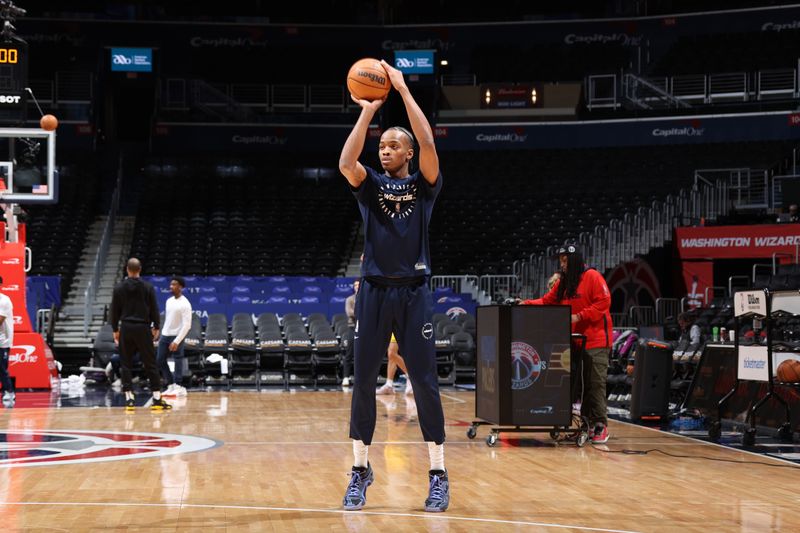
(348, 160)
(428, 159)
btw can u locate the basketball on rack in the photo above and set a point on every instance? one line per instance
(48, 122)
(789, 371)
(368, 80)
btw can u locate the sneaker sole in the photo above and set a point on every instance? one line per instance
(437, 509)
(129, 409)
(159, 408)
(361, 506)
(600, 441)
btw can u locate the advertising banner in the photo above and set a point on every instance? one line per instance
(174, 138)
(737, 242)
(697, 277)
(31, 362)
(752, 363)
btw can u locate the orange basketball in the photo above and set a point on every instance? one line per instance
(789, 371)
(48, 122)
(367, 80)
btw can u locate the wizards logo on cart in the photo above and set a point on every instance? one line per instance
(526, 365)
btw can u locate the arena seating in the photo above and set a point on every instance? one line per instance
(197, 222)
(57, 233)
(234, 219)
(497, 207)
(301, 349)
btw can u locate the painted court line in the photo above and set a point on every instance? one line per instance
(429, 516)
(326, 442)
(457, 400)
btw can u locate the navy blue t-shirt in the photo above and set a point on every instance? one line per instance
(396, 214)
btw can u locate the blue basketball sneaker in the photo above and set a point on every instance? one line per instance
(356, 495)
(438, 492)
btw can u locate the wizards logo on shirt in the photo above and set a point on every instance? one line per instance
(397, 199)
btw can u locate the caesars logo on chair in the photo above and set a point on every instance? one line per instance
(11, 261)
(10, 288)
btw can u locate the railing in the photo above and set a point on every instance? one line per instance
(90, 294)
(776, 82)
(732, 288)
(747, 187)
(666, 307)
(461, 284)
(601, 91)
(43, 317)
(641, 315)
(775, 256)
(635, 233)
(215, 99)
(714, 292)
(241, 99)
(500, 286)
(604, 91)
(650, 93)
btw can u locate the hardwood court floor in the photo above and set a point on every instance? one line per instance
(284, 460)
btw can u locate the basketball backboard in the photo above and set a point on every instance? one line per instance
(27, 166)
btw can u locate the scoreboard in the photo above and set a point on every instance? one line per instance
(13, 81)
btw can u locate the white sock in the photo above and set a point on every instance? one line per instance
(436, 453)
(129, 395)
(157, 394)
(390, 382)
(360, 451)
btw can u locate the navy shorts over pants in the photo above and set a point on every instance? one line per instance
(406, 310)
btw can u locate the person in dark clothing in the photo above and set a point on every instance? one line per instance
(349, 338)
(135, 321)
(396, 207)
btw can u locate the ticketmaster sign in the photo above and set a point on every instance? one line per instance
(132, 59)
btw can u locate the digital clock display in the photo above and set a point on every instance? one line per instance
(9, 56)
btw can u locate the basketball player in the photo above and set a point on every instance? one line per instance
(396, 208)
(135, 321)
(395, 360)
(177, 323)
(585, 290)
(6, 342)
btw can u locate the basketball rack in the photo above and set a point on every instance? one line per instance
(754, 363)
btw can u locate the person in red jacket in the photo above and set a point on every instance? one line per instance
(585, 290)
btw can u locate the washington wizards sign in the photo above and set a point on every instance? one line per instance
(59, 447)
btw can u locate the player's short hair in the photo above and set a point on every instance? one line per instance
(406, 133)
(180, 280)
(134, 265)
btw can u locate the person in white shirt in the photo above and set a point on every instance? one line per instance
(177, 323)
(6, 342)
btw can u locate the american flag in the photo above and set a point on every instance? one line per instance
(39, 189)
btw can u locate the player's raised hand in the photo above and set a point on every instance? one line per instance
(373, 105)
(395, 76)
